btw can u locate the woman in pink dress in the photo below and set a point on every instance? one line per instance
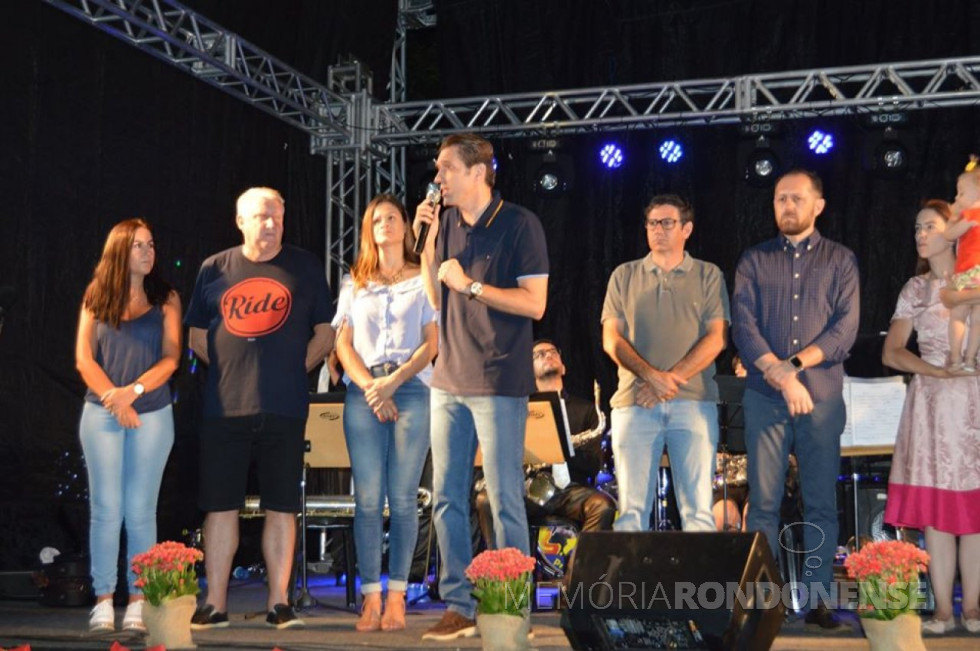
(935, 477)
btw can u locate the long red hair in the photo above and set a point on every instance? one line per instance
(108, 292)
(367, 255)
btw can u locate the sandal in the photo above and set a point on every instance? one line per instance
(394, 618)
(370, 614)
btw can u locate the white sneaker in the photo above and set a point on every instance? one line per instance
(972, 625)
(103, 617)
(133, 619)
(939, 626)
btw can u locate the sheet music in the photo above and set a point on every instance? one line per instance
(874, 408)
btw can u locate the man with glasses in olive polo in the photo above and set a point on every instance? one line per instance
(664, 321)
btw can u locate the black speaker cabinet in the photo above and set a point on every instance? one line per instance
(65, 582)
(870, 516)
(672, 590)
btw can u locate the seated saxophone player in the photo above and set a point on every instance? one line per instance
(564, 490)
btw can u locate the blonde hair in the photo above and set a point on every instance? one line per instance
(250, 195)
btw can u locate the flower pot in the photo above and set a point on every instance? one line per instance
(169, 623)
(503, 632)
(904, 633)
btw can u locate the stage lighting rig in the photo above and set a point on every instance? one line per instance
(611, 155)
(671, 151)
(820, 142)
(762, 165)
(887, 153)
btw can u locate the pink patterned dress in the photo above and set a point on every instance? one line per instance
(935, 475)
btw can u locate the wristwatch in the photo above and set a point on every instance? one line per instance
(476, 289)
(796, 362)
(139, 389)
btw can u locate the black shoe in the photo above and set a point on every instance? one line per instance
(206, 617)
(822, 616)
(283, 616)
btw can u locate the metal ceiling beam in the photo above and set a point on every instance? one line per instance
(170, 31)
(777, 96)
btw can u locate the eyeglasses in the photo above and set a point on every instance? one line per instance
(541, 354)
(667, 223)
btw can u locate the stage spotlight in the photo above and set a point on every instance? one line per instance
(762, 165)
(820, 142)
(611, 155)
(549, 179)
(549, 169)
(671, 151)
(894, 157)
(891, 155)
(887, 154)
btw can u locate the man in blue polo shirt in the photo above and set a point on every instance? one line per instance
(487, 270)
(795, 317)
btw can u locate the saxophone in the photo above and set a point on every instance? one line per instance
(584, 437)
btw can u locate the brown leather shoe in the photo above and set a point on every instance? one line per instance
(452, 626)
(823, 617)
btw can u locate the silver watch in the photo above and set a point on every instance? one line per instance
(476, 289)
(139, 389)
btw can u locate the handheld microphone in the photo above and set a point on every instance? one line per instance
(433, 195)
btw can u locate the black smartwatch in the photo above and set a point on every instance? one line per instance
(796, 362)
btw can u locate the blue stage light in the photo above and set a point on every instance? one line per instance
(820, 142)
(671, 151)
(611, 155)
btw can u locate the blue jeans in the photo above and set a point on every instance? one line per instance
(497, 423)
(690, 430)
(770, 435)
(386, 462)
(125, 468)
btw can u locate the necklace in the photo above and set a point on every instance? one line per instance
(386, 279)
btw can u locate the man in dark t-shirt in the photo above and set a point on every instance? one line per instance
(260, 318)
(488, 273)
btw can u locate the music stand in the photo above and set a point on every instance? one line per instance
(731, 420)
(546, 435)
(325, 448)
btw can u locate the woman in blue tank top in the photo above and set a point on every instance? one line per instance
(127, 348)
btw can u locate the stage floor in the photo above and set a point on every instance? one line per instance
(329, 626)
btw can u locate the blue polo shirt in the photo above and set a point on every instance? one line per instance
(483, 351)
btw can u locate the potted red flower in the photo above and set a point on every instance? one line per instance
(166, 574)
(502, 587)
(887, 574)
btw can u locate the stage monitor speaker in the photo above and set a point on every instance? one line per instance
(672, 590)
(871, 525)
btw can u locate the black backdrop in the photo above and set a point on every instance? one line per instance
(94, 131)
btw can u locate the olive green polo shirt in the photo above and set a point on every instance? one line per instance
(666, 314)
